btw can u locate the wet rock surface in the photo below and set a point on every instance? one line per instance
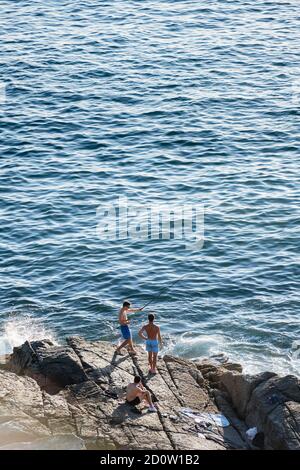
(73, 397)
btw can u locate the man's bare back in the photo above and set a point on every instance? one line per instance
(133, 391)
(151, 334)
(136, 393)
(152, 331)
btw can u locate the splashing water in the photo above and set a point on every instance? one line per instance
(15, 331)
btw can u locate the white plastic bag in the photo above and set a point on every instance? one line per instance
(251, 433)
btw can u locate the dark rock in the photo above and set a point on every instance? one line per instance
(206, 367)
(222, 400)
(259, 441)
(50, 365)
(265, 401)
(271, 410)
(233, 366)
(86, 407)
(240, 387)
(213, 372)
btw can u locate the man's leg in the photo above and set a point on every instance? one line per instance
(130, 344)
(150, 359)
(154, 361)
(147, 397)
(122, 345)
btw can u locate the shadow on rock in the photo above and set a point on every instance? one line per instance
(124, 412)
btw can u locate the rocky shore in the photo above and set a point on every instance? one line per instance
(72, 397)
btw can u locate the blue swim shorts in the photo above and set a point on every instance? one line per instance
(126, 333)
(152, 345)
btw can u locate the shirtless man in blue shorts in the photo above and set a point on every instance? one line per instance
(136, 393)
(153, 339)
(125, 330)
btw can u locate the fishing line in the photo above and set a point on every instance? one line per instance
(165, 289)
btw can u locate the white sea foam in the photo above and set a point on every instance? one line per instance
(282, 365)
(195, 346)
(18, 329)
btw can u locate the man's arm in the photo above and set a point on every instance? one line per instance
(141, 334)
(132, 310)
(141, 387)
(159, 337)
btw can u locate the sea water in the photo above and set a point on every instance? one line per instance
(174, 102)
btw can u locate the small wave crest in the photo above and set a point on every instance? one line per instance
(193, 346)
(253, 358)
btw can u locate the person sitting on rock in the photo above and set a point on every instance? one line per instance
(136, 393)
(125, 330)
(152, 339)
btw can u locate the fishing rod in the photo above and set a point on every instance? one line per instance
(155, 298)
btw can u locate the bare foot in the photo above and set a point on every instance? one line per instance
(132, 352)
(118, 352)
(152, 409)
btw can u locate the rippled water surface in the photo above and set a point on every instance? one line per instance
(160, 101)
